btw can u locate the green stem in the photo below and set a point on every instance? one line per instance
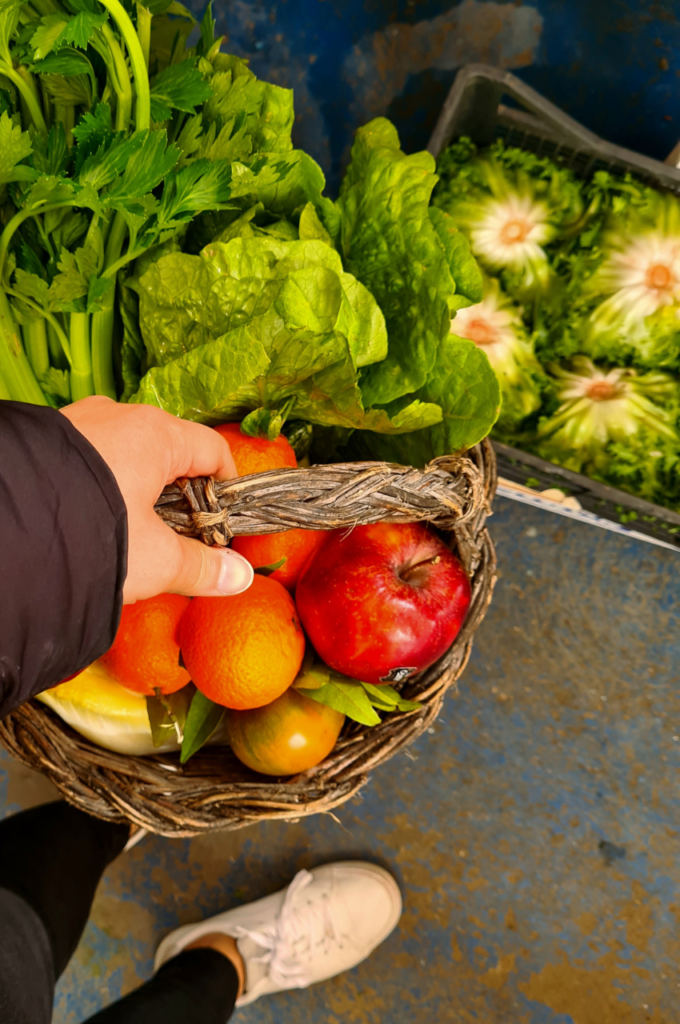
(47, 104)
(144, 17)
(56, 345)
(60, 344)
(23, 80)
(45, 7)
(120, 79)
(137, 62)
(103, 321)
(67, 115)
(82, 382)
(15, 370)
(35, 342)
(18, 219)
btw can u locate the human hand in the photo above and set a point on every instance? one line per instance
(145, 449)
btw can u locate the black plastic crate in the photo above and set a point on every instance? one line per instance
(475, 107)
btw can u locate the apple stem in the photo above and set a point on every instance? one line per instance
(406, 574)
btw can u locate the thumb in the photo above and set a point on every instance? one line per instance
(204, 571)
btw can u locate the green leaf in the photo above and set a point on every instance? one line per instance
(150, 163)
(311, 226)
(32, 286)
(268, 109)
(72, 90)
(95, 127)
(362, 322)
(189, 139)
(389, 243)
(68, 286)
(67, 62)
(266, 422)
(466, 388)
(48, 32)
(50, 152)
(267, 570)
(97, 291)
(207, 30)
(231, 142)
(299, 180)
(281, 298)
(203, 384)
(178, 87)
(132, 346)
(311, 298)
(90, 258)
(168, 714)
(49, 188)
(386, 698)
(203, 719)
(203, 185)
(462, 264)
(80, 29)
(347, 696)
(15, 146)
(112, 156)
(57, 383)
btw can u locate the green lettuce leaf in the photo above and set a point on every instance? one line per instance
(186, 301)
(284, 315)
(201, 385)
(266, 109)
(466, 389)
(389, 243)
(464, 268)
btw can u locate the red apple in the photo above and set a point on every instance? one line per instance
(383, 602)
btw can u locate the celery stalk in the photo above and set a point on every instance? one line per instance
(37, 350)
(82, 381)
(15, 370)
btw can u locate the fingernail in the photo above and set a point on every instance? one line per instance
(236, 573)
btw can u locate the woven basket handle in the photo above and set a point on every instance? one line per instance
(449, 491)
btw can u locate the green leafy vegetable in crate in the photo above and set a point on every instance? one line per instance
(582, 327)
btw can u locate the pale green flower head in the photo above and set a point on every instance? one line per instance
(599, 405)
(638, 282)
(495, 326)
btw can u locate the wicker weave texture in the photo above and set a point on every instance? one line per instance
(214, 790)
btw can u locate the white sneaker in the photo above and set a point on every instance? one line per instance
(327, 921)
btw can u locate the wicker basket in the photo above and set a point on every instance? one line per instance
(214, 790)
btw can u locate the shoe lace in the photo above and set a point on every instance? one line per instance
(294, 935)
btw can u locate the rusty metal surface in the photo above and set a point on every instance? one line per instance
(535, 833)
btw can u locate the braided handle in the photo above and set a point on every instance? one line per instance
(448, 492)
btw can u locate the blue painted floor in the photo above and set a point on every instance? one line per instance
(535, 833)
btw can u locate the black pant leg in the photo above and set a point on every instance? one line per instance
(196, 987)
(26, 968)
(53, 857)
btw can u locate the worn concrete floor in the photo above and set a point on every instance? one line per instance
(535, 833)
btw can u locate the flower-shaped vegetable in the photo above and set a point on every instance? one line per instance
(637, 284)
(510, 232)
(602, 405)
(512, 205)
(495, 325)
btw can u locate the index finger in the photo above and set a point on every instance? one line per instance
(200, 451)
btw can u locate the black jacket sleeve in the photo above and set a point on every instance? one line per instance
(63, 552)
